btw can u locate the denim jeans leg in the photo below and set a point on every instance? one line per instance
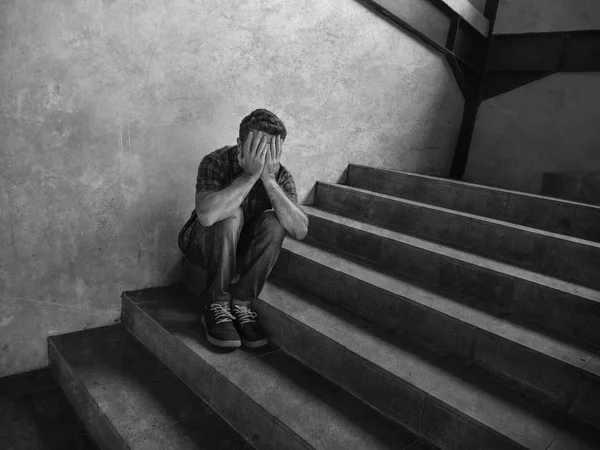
(214, 248)
(261, 243)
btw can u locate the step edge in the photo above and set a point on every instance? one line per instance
(488, 220)
(480, 187)
(460, 256)
(477, 325)
(126, 437)
(338, 343)
(218, 371)
(98, 438)
(429, 395)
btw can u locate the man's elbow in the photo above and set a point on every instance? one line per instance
(300, 235)
(206, 222)
(301, 232)
(204, 213)
(205, 219)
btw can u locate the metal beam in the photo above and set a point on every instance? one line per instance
(467, 12)
(459, 75)
(519, 59)
(473, 101)
(416, 17)
(497, 83)
(582, 52)
(568, 51)
(461, 33)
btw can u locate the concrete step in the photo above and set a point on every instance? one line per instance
(270, 398)
(551, 369)
(545, 213)
(557, 255)
(554, 304)
(452, 405)
(128, 399)
(583, 187)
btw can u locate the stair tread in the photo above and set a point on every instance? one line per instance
(145, 403)
(480, 186)
(464, 214)
(460, 255)
(462, 387)
(321, 413)
(562, 348)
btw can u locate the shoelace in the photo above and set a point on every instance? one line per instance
(244, 314)
(222, 313)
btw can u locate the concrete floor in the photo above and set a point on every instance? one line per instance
(35, 414)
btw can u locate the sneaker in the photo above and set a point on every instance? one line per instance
(250, 332)
(218, 323)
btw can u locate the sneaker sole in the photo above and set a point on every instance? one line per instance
(234, 343)
(255, 344)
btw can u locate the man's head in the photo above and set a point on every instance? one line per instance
(261, 120)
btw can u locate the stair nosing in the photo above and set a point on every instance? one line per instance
(221, 371)
(100, 411)
(481, 187)
(448, 372)
(461, 256)
(482, 326)
(489, 220)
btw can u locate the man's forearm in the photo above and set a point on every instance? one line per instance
(216, 206)
(290, 215)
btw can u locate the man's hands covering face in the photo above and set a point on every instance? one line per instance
(261, 155)
(273, 156)
(252, 155)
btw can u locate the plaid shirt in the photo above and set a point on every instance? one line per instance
(218, 169)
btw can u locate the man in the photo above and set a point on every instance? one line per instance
(246, 202)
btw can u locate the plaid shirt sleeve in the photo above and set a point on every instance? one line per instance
(286, 181)
(211, 177)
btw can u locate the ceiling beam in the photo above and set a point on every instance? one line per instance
(439, 26)
(518, 59)
(565, 51)
(467, 12)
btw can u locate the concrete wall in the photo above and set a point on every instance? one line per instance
(109, 105)
(547, 126)
(537, 16)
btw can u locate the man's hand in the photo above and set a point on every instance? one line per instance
(273, 156)
(252, 155)
(290, 215)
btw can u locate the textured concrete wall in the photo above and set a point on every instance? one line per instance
(547, 126)
(109, 105)
(524, 16)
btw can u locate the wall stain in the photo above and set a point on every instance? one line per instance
(6, 321)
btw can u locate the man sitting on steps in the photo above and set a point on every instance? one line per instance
(245, 203)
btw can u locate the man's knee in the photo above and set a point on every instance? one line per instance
(269, 222)
(231, 225)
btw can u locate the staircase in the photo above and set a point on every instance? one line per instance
(419, 313)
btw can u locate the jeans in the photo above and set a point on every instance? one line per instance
(231, 246)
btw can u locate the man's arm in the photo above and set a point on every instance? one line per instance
(211, 207)
(290, 215)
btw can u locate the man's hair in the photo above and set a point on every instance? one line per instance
(262, 120)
